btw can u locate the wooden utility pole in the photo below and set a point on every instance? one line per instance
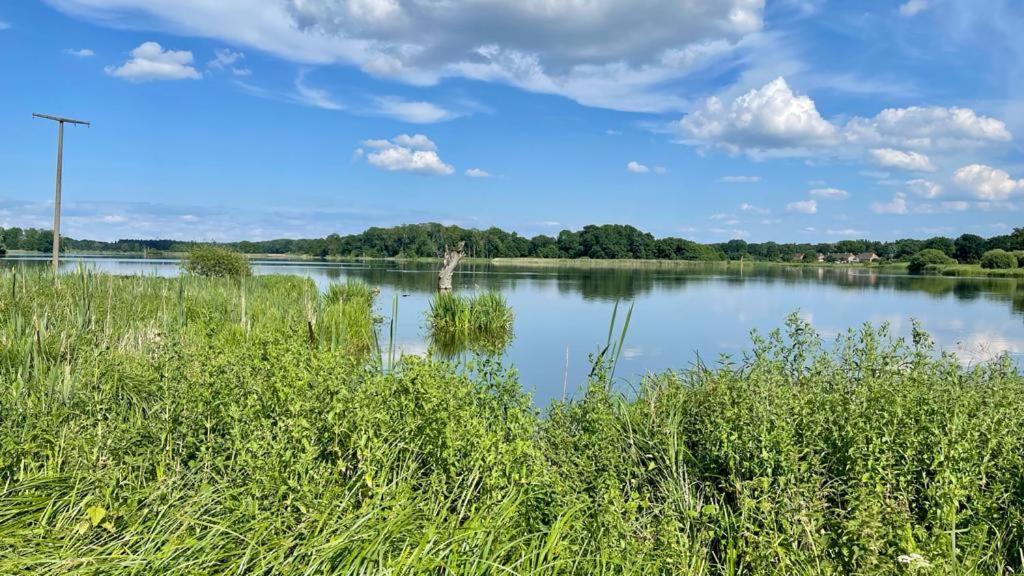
(56, 198)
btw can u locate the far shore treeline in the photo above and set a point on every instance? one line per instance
(610, 241)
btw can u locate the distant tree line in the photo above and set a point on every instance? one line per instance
(598, 242)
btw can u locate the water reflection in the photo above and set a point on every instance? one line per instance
(562, 311)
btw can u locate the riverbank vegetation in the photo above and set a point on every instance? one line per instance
(479, 322)
(605, 242)
(212, 426)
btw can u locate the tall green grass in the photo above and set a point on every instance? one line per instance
(148, 426)
(482, 323)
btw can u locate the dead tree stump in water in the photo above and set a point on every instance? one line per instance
(451, 260)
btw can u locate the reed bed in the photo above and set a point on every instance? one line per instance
(199, 426)
(480, 323)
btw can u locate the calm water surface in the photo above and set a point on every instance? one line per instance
(679, 312)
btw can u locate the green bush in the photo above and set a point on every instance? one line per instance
(3, 249)
(998, 260)
(929, 256)
(216, 262)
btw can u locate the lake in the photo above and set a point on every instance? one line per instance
(680, 311)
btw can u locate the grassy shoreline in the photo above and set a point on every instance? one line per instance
(955, 270)
(200, 426)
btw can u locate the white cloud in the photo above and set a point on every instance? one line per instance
(149, 61)
(740, 179)
(315, 97)
(637, 168)
(477, 173)
(931, 127)
(913, 7)
(924, 188)
(769, 118)
(612, 53)
(748, 207)
(986, 182)
(907, 160)
(849, 232)
(80, 52)
(773, 120)
(416, 142)
(898, 205)
(412, 111)
(225, 58)
(803, 207)
(730, 232)
(829, 193)
(404, 153)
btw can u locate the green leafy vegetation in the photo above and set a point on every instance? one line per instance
(602, 242)
(482, 322)
(217, 262)
(207, 426)
(998, 260)
(928, 257)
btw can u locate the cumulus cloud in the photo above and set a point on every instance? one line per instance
(898, 205)
(637, 168)
(748, 207)
(404, 153)
(829, 193)
(613, 53)
(987, 183)
(772, 117)
(149, 61)
(740, 179)
(904, 159)
(477, 173)
(774, 120)
(80, 52)
(931, 127)
(803, 207)
(924, 188)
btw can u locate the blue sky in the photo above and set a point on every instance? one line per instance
(788, 121)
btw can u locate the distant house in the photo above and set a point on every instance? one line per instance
(867, 257)
(820, 257)
(798, 257)
(842, 257)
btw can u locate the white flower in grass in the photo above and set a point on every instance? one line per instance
(913, 561)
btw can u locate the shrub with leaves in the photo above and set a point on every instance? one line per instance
(998, 260)
(217, 262)
(928, 257)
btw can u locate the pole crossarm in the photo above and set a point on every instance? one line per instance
(60, 119)
(56, 196)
